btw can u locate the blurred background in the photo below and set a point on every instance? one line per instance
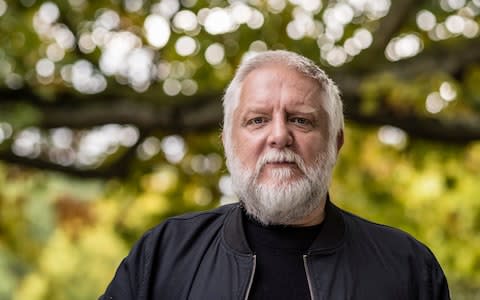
(110, 114)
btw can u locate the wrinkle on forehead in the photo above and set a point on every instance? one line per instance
(283, 84)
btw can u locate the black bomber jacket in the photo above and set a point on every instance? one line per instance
(206, 256)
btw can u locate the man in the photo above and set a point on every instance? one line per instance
(283, 129)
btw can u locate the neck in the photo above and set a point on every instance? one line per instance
(314, 218)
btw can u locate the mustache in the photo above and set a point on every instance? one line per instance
(280, 156)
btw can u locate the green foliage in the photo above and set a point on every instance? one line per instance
(63, 237)
(428, 190)
(20, 115)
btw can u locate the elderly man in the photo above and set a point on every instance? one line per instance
(285, 239)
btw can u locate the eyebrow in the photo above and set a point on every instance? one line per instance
(256, 109)
(306, 111)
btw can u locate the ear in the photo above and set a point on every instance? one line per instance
(340, 140)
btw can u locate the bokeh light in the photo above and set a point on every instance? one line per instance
(61, 137)
(434, 103)
(189, 87)
(45, 67)
(85, 78)
(150, 147)
(63, 36)
(14, 81)
(241, 12)
(133, 5)
(276, 6)
(174, 148)
(215, 54)
(49, 12)
(55, 53)
(219, 21)
(256, 20)
(116, 52)
(337, 56)
(258, 46)
(6, 131)
(108, 19)
(96, 144)
(172, 87)
(204, 164)
(157, 30)
(455, 24)
(451, 5)
(471, 29)
(301, 26)
(392, 136)
(426, 20)
(185, 20)
(86, 43)
(186, 46)
(447, 91)
(402, 47)
(165, 8)
(28, 142)
(140, 63)
(3, 7)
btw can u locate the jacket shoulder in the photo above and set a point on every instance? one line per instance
(173, 244)
(190, 224)
(385, 236)
(400, 251)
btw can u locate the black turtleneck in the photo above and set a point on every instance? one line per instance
(279, 272)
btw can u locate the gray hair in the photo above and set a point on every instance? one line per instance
(305, 66)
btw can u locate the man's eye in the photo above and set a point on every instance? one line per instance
(300, 121)
(257, 121)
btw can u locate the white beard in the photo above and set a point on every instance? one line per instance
(282, 199)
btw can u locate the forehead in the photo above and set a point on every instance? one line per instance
(278, 84)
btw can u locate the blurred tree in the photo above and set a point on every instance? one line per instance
(131, 90)
(68, 68)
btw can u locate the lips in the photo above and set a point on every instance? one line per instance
(281, 163)
(275, 159)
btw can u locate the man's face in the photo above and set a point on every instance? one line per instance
(279, 109)
(281, 155)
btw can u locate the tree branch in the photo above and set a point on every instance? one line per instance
(208, 115)
(392, 22)
(115, 170)
(456, 131)
(148, 111)
(205, 111)
(443, 58)
(119, 168)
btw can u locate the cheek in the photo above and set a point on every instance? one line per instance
(310, 147)
(248, 148)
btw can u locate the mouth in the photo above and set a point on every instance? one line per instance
(281, 163)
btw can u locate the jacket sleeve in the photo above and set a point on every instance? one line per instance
(130, 275)
(437, 282)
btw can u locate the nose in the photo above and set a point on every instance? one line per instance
(280, 135)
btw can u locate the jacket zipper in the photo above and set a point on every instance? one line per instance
(251, 276)
(308, 276)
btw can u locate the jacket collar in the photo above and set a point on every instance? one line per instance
(330, 237)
